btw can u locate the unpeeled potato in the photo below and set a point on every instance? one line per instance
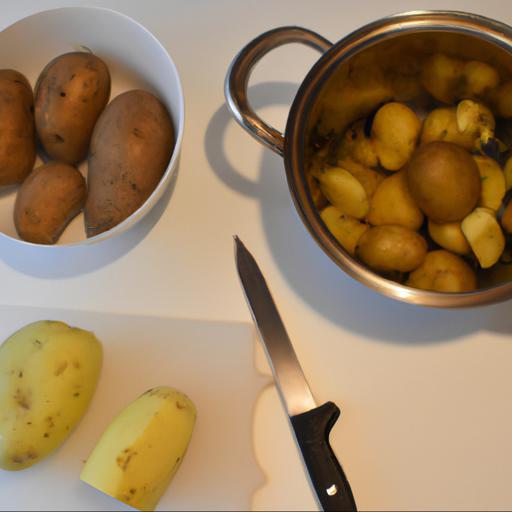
(444, 181)
(48, 200)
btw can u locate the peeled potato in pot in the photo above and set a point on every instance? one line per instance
(441, 125)
(440, 75)
(369, 178)
(484, 235)
(479, 79)
(391, 248)
(476, 121)
(506, 218)
(356, 145)
(502, 100)
(392, 203)
(449, 236)
(48, 200)
(395, 131)
(344, 191)
(493, 183)
(448, 79)
(444, 181)
(508, 174)
(442, 271)
(345, 229)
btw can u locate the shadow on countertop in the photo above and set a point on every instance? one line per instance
(310, 272)
(65, 262)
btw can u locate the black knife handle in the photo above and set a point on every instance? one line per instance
(312, 430)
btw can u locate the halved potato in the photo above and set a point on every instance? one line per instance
(392, 203)
(493, 183)
(442, 271)
(484, 235)
(449, 236)
(369, 178)
(345, 229)
(344, 191)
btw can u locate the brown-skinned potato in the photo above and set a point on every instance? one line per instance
(17, 140)
(48, 200)
(70, 94)
(444, 181)
(131, 147)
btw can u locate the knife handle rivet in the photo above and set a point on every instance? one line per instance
(331, 491)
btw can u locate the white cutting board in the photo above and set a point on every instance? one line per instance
(212, 362)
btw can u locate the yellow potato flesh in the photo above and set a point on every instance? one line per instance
(344, 191)
(392, 203)
(476, 121)
(449, 236)
(48, 375)
(442, 271)
(440, 75)
(140, 452)
(369, 178)
(391, 248)
(395, 130)
(508, 174)
(506, 218)
(503, 100)
(357, 146)
(493, 183)
(484, 235)
(441, 125)
(346, 230)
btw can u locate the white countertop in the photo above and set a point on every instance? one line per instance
(425, 394)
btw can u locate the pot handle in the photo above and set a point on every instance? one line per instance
(237, 79)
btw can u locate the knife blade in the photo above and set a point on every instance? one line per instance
(310, 423)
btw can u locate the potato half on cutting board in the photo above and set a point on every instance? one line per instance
(140, 452)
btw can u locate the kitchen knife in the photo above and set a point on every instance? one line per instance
(310, 423)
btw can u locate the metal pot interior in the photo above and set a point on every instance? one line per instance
(379, 63)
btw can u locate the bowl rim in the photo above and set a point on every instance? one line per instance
(172, 165)
(396, 25)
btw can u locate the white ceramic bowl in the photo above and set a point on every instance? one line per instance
(136, 60)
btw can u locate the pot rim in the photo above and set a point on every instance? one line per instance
(480, 27)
